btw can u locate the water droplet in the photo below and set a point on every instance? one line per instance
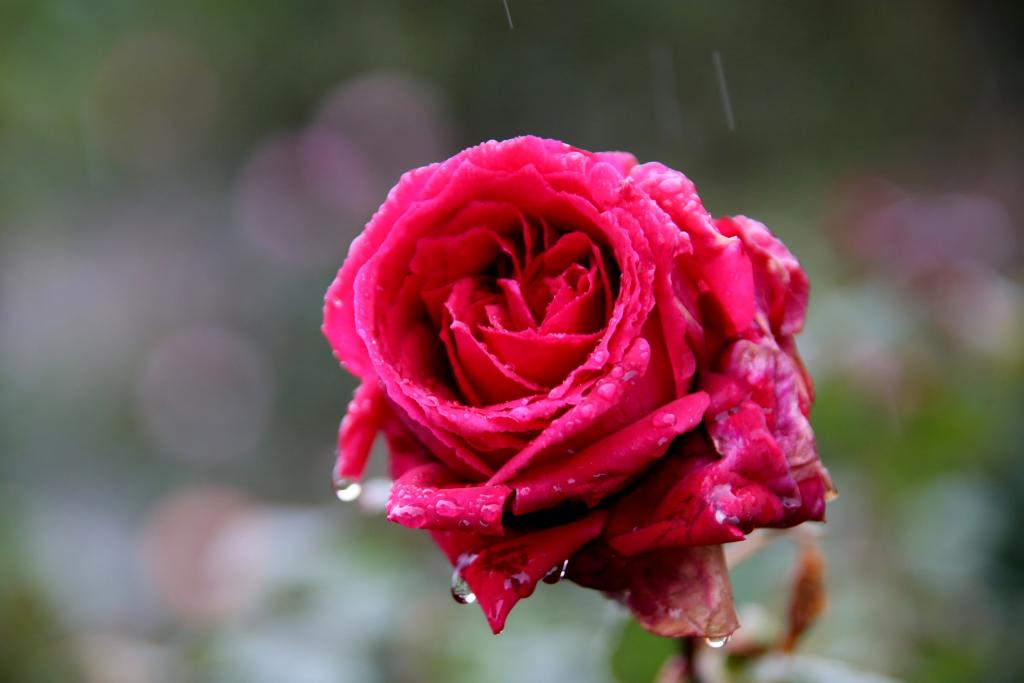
(587, 410)
(608, 390)
(557, 573)
(617, 371)
(461, 592)
(490, 510)
(346, 490)
(716, 642)
(664, 419)
(629, 375)
(446, 508)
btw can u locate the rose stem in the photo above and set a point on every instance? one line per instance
(688, 653)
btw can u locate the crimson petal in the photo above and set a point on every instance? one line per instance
(604, 467)
(682, 593)
(539, 358)
(367, 412)
(504, 572)
(428, 497)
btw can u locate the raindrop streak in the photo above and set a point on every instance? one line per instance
(461, 592)
(717, 642)
(346, 490)
(557, 573)
(724, 89)
(508, 13)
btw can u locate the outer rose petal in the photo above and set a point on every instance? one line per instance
(339, 325)
(606, 466)
(692, 498)
(504, 572)
(719, 260)
(426, 497)
(672, 593)
(366, 414)
(783, 283)
(683, 593)
(761, 416)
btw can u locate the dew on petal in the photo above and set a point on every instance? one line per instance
(446, 508)
(664, 419)
(520, 413)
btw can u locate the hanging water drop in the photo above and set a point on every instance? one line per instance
(461, 592)
(557, 573)
(346, 490)
(716, 642)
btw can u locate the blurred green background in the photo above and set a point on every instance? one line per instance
(180, 179)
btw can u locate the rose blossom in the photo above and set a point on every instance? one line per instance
(571, 360)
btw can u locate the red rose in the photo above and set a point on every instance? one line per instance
(571, 360)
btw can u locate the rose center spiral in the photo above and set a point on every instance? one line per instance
(515, 306)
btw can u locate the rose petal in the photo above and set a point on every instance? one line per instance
(516, 305)
(573, 311)
(682, 593)
(781, 281)
(490, 379)
(506, 571)
(365, 416)
(578, 418)
(428, 497)
(730, 277)
(606, 466)
(690, 499)
(674, 593)
(543, 359)
(339, 310)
